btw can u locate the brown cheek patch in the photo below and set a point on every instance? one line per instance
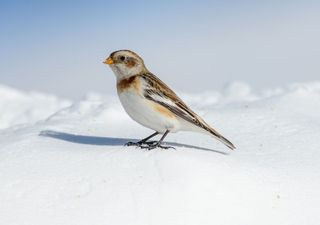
(131, 63)
(128, 83)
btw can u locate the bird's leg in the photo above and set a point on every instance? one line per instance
(143, 141)
(158, 144)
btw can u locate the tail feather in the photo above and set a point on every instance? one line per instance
(226, 142)
(219, 137)
(199, 125)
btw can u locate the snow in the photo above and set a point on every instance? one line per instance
(18, 107)
(63, 162)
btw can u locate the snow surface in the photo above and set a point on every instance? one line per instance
(64, 163)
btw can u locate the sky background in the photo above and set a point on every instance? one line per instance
(58, 46)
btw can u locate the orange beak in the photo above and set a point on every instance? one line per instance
(108, 61)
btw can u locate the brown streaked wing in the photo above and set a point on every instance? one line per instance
(179, 108)
(157, 87)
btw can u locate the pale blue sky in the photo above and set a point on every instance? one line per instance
(58, 46)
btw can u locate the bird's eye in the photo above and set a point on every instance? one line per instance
(122, 58)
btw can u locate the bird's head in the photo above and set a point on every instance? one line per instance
(125, 64)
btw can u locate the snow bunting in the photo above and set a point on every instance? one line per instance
(152, 103)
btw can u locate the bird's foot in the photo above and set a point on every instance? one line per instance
(131, 143)
(155, 145)
(149, 145)
(140, 144)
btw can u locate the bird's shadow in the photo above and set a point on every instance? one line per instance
(108, 141)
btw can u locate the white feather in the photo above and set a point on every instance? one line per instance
(140, 109)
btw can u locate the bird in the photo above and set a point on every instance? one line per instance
(151, 103)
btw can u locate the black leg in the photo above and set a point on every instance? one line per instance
(163, 136)
(158, 144)
(143, 141)
(147, 138)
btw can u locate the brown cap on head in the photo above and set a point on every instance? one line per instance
(113, 56)
(126, 63)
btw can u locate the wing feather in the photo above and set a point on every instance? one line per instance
(159, 92)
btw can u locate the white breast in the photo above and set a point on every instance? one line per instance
(146, 112)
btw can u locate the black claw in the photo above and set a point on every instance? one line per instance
(166, 147)
(140, 144)
(150, 145)
(144, 144)
(130, 143)
(157, 145)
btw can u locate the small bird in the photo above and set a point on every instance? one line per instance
(150, 102)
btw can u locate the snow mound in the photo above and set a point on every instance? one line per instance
(70, 167)
(17, 107)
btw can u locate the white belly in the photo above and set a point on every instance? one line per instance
(141, 110)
